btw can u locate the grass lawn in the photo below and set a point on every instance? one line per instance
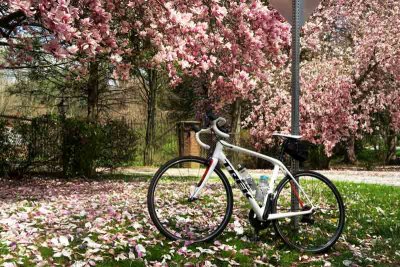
(47, 222)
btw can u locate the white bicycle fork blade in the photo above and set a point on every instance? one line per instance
(204, 178)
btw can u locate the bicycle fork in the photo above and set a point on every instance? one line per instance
(204, 178)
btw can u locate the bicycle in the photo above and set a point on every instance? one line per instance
(197, 206)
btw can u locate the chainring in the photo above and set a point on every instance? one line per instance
(257, 224)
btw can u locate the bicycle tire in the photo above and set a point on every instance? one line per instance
(341, 213)
(152, 207)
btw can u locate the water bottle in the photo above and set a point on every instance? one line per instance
(262, 189)
(246, 176)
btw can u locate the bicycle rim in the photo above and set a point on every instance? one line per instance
(180, 219)
(316, 232)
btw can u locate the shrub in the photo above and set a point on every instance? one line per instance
(81, 147)
(14, 148)
(88, 146)
(76, 146)
(4, 148)
(119, 144)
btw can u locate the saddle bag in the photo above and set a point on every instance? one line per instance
(296, 149)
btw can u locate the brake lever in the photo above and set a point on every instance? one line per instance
(222, 125)
(224, 129)
(211, 116)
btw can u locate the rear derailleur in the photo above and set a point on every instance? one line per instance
(308, 217)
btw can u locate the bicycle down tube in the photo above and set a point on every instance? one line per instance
(219, 156)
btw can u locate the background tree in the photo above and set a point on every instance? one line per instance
(232, 51)
(349, 74)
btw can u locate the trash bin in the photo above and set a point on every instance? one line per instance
(188, 145)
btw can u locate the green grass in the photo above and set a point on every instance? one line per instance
(371, 236)
(3, 248)
(372, 216)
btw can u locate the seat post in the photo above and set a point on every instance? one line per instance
(283, 149)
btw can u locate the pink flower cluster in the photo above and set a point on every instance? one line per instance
(231, 45)
(349, 75)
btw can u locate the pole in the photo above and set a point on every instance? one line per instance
(298, 6)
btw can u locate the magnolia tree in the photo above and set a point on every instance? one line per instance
(61, 28)
(236, 49)
(230, 45)
(71, 38)
(225, 47)
(325, 106)
(350, 73)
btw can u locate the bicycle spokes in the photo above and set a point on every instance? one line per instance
(179, 216)
(318, 230)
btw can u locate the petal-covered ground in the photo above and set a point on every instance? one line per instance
(48, 222)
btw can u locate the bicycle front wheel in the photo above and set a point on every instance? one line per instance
(315, 232)
(179, 218)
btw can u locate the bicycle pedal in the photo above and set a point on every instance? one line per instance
(192, 199)
(255, 238)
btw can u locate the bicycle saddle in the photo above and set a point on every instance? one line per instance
(289, 136)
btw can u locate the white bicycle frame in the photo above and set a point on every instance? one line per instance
(219, 157)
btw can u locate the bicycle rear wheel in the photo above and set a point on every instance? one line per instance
(179, 218)
(316, 232)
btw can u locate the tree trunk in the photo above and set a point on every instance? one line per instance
(391, 143)
(236, 121)
(93, 91)
(151, 118)
(318, 160)
(350, 156)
